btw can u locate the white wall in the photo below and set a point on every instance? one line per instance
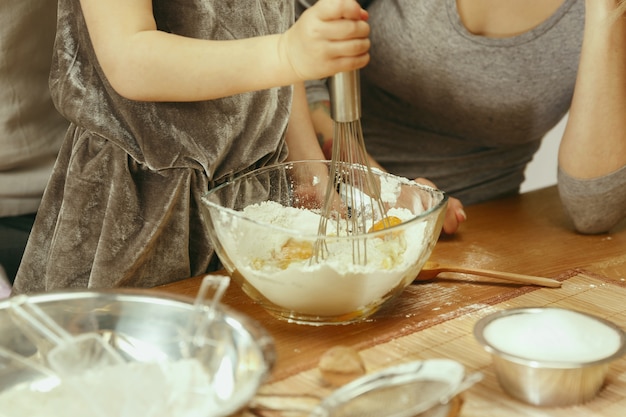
(541, 171)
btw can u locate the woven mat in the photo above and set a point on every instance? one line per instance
(454, 339)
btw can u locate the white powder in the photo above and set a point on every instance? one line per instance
(181, 388)
(389, 190)
(556, 335)
(335, 285)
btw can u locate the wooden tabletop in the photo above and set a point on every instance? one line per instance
(526, 234)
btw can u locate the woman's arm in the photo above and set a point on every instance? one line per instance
(143, 63)
(594, 142)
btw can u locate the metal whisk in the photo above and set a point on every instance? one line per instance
(351, 175)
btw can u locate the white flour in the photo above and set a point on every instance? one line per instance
(333, 286)
(170, 389)
(554, 335)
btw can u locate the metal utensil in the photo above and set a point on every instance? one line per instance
(404, 390)
(69, 354)
(431, 269)
(546, 382)
(149, 331)
(36, 376)
(350, 173)
(36, 380)
(211, 340)
(205, 306)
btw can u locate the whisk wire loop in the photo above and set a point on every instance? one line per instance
(350, 177)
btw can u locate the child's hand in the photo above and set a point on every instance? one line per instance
(330, 37)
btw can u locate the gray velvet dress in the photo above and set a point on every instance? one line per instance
(121, 208)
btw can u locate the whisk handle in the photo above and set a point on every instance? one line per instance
(345, 96)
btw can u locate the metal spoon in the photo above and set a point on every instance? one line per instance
(210, 339)
(66, 354)
(206, 304)
(70, 354)
(431, 269)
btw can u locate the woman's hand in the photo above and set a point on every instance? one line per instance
(455, 215)
(329, 37)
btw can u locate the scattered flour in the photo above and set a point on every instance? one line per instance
(556, 335)
(333, 286)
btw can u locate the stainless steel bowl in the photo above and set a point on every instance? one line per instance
(144, 327)
(536, 380)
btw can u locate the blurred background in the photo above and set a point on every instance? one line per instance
(541, 172)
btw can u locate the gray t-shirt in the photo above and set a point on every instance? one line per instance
(31, 129)
(465, 111)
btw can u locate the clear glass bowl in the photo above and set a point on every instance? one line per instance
(264, 226)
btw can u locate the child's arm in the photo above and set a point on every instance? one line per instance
(300, 136)
(142, 63)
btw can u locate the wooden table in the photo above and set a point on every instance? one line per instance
(526, 234)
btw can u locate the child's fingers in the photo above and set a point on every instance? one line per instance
(323, 42)
(348, 48)
(348, 64)
(347, 29)
(339, 9)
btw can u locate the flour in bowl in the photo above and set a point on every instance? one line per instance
(554, 335)
(179, 388)
(279, 266)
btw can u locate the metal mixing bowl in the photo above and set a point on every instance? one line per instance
(144, 327)
(553, 382)
(276, 264)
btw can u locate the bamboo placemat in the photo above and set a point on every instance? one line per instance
(454, 339)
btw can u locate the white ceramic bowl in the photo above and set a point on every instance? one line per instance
(264, 226)
(550, 356)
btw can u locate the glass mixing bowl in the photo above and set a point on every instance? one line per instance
(264, 227)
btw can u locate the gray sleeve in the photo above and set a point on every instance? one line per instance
(594, 205)
(317, 90)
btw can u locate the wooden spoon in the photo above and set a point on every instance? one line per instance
(431, 269)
